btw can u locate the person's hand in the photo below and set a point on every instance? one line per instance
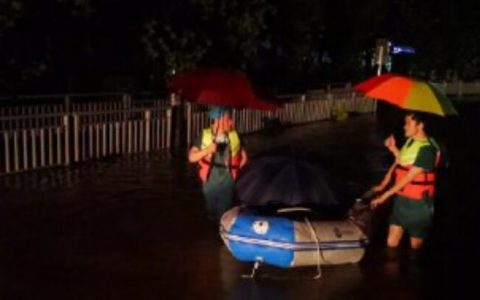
(372, 192)
(378, 201)
(378, 188)
(212, 148)
(390, 143)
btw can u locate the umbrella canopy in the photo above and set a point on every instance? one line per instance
(284, 178)
(407, 93)
(218, 87)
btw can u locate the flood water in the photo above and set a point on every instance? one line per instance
(135, 228)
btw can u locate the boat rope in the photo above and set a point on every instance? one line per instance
(319, 251)
(255, 267)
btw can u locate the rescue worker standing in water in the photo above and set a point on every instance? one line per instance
(414, 187)
(220, 155)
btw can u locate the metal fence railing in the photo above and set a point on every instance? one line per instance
(47, 135)
(296, 109)
(59, 134)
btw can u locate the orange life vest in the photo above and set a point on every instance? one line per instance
(233, 164)
(423, 185)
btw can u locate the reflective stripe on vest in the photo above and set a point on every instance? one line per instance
(423, 185)
(205, 164)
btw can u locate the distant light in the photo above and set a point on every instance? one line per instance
(403, 50)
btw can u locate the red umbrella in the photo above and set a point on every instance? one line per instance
(218, 87)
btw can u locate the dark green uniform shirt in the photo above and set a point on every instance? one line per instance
(426, 157)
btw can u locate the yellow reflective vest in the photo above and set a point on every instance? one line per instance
(205, 164)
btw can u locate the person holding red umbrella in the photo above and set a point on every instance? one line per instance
(220, 155)
(414, 187)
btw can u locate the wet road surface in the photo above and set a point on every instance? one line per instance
(135, 228)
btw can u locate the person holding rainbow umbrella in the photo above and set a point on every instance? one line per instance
(414, 168)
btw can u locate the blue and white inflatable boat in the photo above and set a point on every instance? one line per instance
(283, 242)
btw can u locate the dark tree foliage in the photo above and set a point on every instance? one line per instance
(447, 35)
(56, 46)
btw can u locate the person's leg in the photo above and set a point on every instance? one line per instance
(416, 243)
(395, 230)
(224, 199)
(420, 223)
(395, 234)
(210, 195)
(418, 233)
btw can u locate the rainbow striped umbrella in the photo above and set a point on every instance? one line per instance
(407, 93)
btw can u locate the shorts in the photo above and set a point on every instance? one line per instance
(415, 216)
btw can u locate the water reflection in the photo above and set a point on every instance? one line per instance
(337, 282)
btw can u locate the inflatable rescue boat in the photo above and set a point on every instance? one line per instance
(286, 242)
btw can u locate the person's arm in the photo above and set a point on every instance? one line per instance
(411, 174)
(386, 179)
(195, 154)
(391, 144)
(244, 158)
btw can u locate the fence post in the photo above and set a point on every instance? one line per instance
(42, 147)
(303, 111)
(330, 105)
(124, 137)
(90, 141)
(135, 136)
(126, 107)
(34, 148)
(67, 104)
(16, 153)
(234, 118)
(110, 137)
(129, 143)
(104, 139)
(76, 141)
(50, 146)
(66, 139)
(189, 124)
(117, 138)
(353, 98)
(169, 126)
(25, 149)
(59, 146)
(97, 140)
(7, 152)
(148, 119)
